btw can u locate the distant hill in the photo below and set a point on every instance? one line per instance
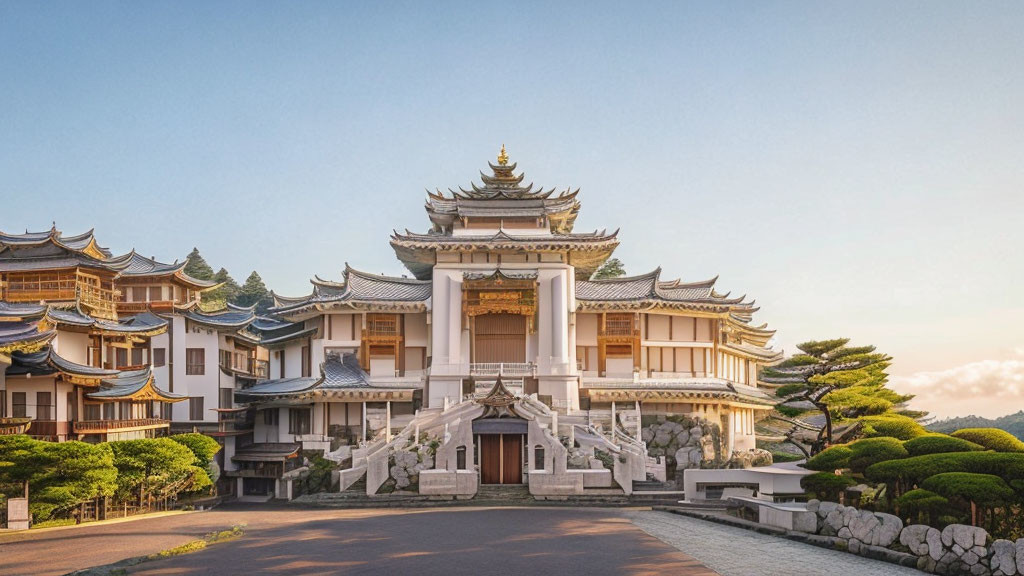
(1012, 423)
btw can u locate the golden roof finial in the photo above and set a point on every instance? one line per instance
(502, 156)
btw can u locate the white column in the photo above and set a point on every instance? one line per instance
(639, 425)
(454, 321)
(613, 421)
(364, 421)
(387, 421)
(559, 320)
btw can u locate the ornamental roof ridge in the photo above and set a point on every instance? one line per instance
(382, 277)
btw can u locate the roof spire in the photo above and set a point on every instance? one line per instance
(502, 156)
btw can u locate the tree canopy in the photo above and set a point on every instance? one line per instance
(612, 268)
(841, 382)
(254, 292)
(197, 266)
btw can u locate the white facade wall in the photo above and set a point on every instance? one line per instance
(73, 346)
(206, 385)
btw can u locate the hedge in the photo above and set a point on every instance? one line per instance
(826, 485)
(893, 425)
(919, 501)
(991, 438)
(864, 453)
(939, 444)
(983, 489)
(916, 469)
(831, 458)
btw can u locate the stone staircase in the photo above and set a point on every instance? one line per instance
(652, 492)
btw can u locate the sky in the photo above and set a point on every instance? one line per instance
(857, 167)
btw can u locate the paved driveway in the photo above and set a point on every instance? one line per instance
(732, 551)
(422, 541)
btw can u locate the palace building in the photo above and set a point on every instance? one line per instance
(499, 360)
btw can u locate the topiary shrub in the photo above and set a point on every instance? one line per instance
(892, 425)
(991, 438)
(790, 389)
(864, 453)
(921, 504)
(982, 489)
(831, 458)
(826, 485)
(938, 444)
(914, 470)
(789, 411)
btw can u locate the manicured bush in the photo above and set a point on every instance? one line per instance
(202, 446)
(868, 451)
(157, 467)
(921, 504)
(938, 444)
(914, 470)
(826, 485)
(832, 458)
(892, 425)
(789, 411)
(982, 489)
(991, 438)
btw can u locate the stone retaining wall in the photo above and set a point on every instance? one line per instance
(957, 549)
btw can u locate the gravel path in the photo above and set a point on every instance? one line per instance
(732, 551)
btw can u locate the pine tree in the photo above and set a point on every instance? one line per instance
(228, 290)
(254, 291)
(612, 268)
(842, 382)
(197, 266)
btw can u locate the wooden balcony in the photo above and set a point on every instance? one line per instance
(48, 428)
(104, 426)
(139, 307)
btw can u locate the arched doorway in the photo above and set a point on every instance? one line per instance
(501, 444)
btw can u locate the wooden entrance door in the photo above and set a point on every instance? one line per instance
(499, 338)
(501, 458)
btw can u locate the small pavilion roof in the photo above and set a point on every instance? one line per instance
(649, 290)
(142, 324)
(133, 385)
(267, 452)
(52, 249)
(23, 336)
(338, 374)
(230, 317)
(359, 289)
(19, 310)
(141, 267)
(665, 388)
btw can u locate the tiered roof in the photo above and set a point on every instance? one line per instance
(144, 324)
(53, 250)
(231, 317)
(358, 291)
(138, 385)
(502, 196)
(669, 390)
(340, 377)
(649, 292)
(23, 336)
(141, 267)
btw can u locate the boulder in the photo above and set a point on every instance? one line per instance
(1004, 558)
(934, 540)
(1020, 555)
(914, 538)
(888, 531)
(965, 536)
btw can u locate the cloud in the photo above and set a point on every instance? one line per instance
(987, 388)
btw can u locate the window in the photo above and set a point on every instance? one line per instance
(225, 359)
(19, 408)
(92, 411)
(195, 408)
(195, 361)
(44, 410)
(460, 458)
(156, 293)
(137, 356)
(138, 294)
(270, 416)
(108, 411)
(538, 458)
(225, 397)
(121, 357)
(281, 355)
(305, 362)
(298, 421)
(159, 357)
